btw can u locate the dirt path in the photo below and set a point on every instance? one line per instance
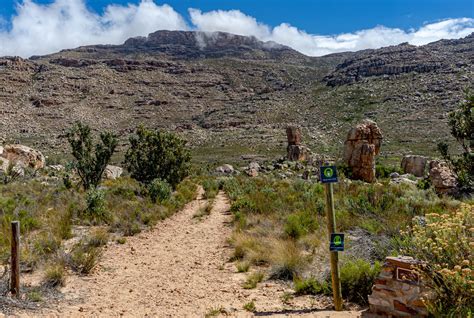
(178, 269)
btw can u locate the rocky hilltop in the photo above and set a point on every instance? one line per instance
(231, 95)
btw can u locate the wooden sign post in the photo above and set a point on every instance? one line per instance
(328, 176)
(15, 260)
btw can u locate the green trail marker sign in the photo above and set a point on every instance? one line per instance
(337, 242)
(328, 174)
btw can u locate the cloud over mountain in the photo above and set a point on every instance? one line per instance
(46, 28)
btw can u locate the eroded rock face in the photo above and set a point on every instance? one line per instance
(23, 156)
(113, 172)
(295, 150)
(361, 147)
(442, 178)
(414, 165)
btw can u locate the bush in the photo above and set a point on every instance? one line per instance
(84, 257)
(444, 242)
(383, 172)
(287, 260)
(159, 190)
(95, 206)
(90, 161)
(98, 238)
(243, 267)
(357, 278)
(211, 188)
(461, 122)
(252, 280)
(300, 224)
(54, 276)
(157, 154)
(311, 286)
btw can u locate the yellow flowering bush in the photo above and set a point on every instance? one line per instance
(445, 242)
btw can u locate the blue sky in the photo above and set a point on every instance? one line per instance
(313, 16)
(315, 28)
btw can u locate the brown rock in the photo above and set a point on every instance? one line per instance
(414, 165)
(297, 153)
(442, 178)
(24, 156)
(293, 134)
(362, 145)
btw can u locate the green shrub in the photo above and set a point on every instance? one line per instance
(357, 278)
(98, 238)
(157, 154)
(250, 306)
(96, 206)
(243, 267)
(383, 172)
(444, 241)
(461, 122)
(90, 161)
(159, 190)
(252, 280)
(311, 286)
(84, 257)
(54, 276)
(300, 224)
(211, 188)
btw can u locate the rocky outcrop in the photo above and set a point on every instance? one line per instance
(225, 169)
(442, 178)
(295, 150)
(23, 156)
(398, 290)
(415, 165)
(113, 172)
(360, 149)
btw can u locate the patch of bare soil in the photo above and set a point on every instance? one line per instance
(180, 268)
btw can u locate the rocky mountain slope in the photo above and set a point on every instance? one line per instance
(232, 95)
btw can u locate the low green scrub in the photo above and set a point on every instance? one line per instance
(311, 286)
(357, 278)
(252, 280)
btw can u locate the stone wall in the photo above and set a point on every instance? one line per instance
(398, 290)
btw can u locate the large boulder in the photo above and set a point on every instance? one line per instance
(23, 156)
(415, 165)
(113, 172)
(360, 149)
(442, 178)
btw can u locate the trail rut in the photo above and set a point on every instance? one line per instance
(180, 268)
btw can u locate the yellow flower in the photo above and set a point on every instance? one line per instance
(465, 262)
(457, 268)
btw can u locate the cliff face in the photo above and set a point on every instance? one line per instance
(225, 92)
(445, 56)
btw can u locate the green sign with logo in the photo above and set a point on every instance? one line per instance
(328, 174)
(337, 242)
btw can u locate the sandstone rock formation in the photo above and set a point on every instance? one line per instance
(295, 150)
(414, 165)
(442, 178)
(23, 156)
(362, 145)
(113, 172)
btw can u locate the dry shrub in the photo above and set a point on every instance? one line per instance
(287, 260)
(446, 243)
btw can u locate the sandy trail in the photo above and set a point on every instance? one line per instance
(178, 269)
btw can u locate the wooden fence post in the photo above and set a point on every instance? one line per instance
(15, 260)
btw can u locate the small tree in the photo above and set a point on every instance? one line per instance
(90, 161)
(461, 122)
(156, 154)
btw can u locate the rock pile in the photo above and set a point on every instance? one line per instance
(295, 150)
(398, 291)
(362, 145)
(442, 178)
(414, 165)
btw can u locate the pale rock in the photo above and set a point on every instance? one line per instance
(24, 156)
(225, 169)
(113, 172)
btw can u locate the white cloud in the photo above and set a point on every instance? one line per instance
(316, 45)
(46, 28)
(42, 29)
